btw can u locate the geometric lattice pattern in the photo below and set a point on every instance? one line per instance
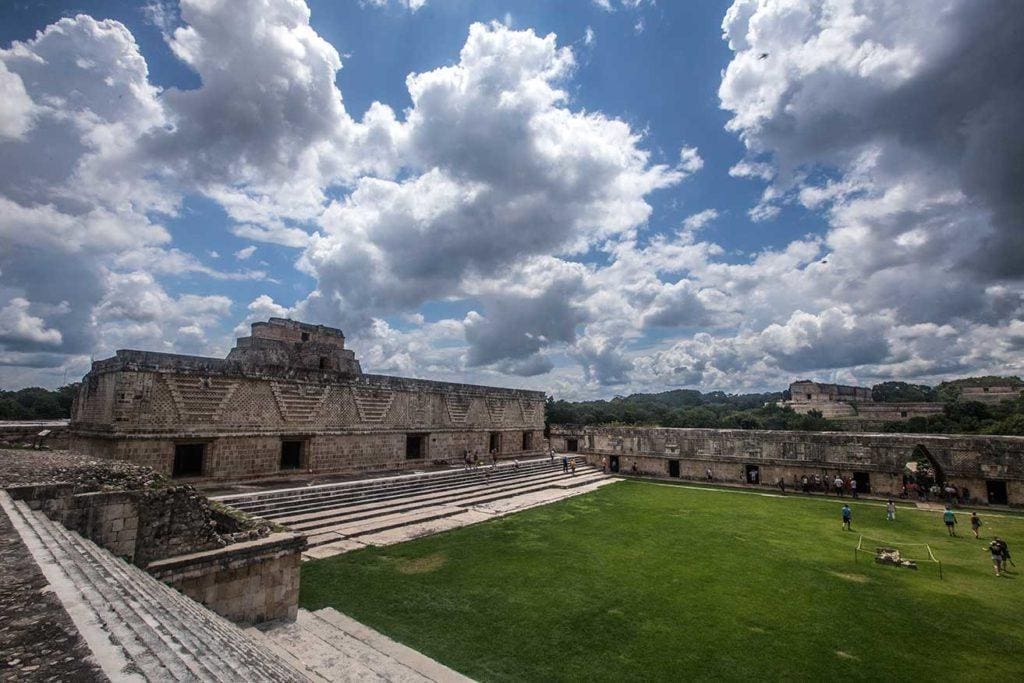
(496, 409)
(530, 409)
(299, 402)
(199, 399)
(458, 407)
(372, 404)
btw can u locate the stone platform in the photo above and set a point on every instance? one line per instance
(338, 518)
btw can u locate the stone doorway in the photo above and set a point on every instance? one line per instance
(613, 464)
(752, 474)
(863, 480)
(673, 468)
(572, 445)
(494, 443)
(189, 459)
(291, 455)
(415, 446)
(996, 491)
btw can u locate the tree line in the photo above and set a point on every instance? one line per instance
(691, 408)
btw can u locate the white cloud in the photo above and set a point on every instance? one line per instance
(697, 221)
(17, 325)
(245, 252)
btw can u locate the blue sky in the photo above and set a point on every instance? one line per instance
(589, 198)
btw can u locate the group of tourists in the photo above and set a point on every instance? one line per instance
(472, 460)
(998, 548)
(926, 491)
(839, 485)
(569, 465)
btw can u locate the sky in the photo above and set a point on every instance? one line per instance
(589, 198)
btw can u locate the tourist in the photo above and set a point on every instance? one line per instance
(1004, 551)
(838, 484)
(853, 488)
(782, 484)
(975, 523)
(805, 484)
(604, 464)
(515, 464)
(847, 518)
(707, 474)
(753, 476)
(469, 460)
(634, 469)
(995, 549)
(890, 511)
(565, 464)
(949, 517)
(494, 458)
(572, 466)
(551, 455)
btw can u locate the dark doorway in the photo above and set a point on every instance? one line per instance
(494, 443)
(572, 445)
(753, 474)
(188, 459)
(414, 446)
(613, 464)
(996, 490)
(863, 480)
(527, 441)
(673, 468)
(291, 455)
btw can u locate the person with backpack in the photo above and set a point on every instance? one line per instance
(995, 549)
(847, 518)
(975, 523)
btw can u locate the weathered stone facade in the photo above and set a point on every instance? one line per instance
(283, 401)
(855, 406)
(991, 467)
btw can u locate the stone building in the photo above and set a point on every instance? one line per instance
(854, 406)
(990, 467)
(992, 393)
(290, 397)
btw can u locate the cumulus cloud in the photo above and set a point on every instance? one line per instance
(696, 221)
(508, 172)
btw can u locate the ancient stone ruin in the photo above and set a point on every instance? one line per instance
(892, 557)
(290, 397)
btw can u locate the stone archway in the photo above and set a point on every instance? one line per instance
(923, 468)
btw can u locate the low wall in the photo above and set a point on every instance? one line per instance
(972, 461)
(248, 583)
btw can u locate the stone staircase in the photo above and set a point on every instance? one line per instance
(344, 516)
(138, 628)
(334, 647)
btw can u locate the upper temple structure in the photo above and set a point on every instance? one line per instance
(290, 397)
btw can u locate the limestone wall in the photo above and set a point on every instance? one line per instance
(249, 583)
(965, 460)
(346, 423)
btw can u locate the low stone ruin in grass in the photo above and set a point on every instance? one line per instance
(892, 556)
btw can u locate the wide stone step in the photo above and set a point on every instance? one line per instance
(241, 500)
(275, 509)
(319, 511)
(138, 628)
(380, 523)
(293, 496)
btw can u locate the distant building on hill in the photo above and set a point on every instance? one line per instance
(854, 404)
(991, 393)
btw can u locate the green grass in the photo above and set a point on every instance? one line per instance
(640, 581)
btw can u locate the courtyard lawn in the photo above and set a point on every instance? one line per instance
(643, 581)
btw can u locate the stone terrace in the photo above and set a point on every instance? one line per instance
(345, 516)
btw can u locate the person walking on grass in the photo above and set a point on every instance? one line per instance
(949, 517)
(890, 511)
(975, 523)
(1005, 552)
(995, 549)
(847, 518)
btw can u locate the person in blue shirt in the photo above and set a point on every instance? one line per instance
(847, 518)
(950, 519)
